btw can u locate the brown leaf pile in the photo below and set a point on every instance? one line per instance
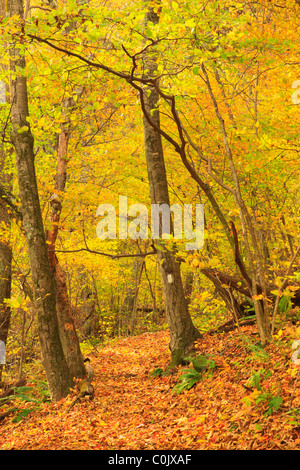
(132, 410)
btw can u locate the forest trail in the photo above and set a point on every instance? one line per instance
(133, 410)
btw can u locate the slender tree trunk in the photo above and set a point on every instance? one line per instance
(5, 248)
(129, 307)
(183, 333)
(188, 286)
(256, 268)
(67, 330)
(57, 372)
(5, 262)
(5, 277)
(140, 268)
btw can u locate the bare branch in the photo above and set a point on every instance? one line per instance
(133, 255)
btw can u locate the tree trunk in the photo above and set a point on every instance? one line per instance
(5, 248)
(129, 307)
(182, 331)
(256, 270)
(67, 330)
(5, 275)
(188, 286)
(57, 372)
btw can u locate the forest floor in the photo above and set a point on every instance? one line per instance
(134, 410)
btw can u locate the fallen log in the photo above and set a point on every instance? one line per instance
(7, 412)
(11, 389)
(230, 325)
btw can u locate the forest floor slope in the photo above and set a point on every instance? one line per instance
(243, 403)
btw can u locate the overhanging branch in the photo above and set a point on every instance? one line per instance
(95, 252)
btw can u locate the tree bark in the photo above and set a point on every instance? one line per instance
(183, 333)
(5, 248)
(129, 307)
(57, 372)
(5, 275)
(188, 286)
(67, 330)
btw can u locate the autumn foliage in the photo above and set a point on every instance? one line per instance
(228, 408)
(214, 86)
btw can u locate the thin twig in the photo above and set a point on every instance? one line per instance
(292, 397)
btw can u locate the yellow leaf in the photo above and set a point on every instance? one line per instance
(15, 303)
(102, 423)
(214, 262)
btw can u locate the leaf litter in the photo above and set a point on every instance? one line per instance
(243, 403)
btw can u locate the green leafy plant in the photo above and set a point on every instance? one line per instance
(256, 349)
(256, 377)
(285, 304)
(187, 380)
(43, 389)
(24, 394)
(273, 402)
(158, 372)
(201, 363)
(22, 414)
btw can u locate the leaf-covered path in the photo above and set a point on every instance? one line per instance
(132, 410)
